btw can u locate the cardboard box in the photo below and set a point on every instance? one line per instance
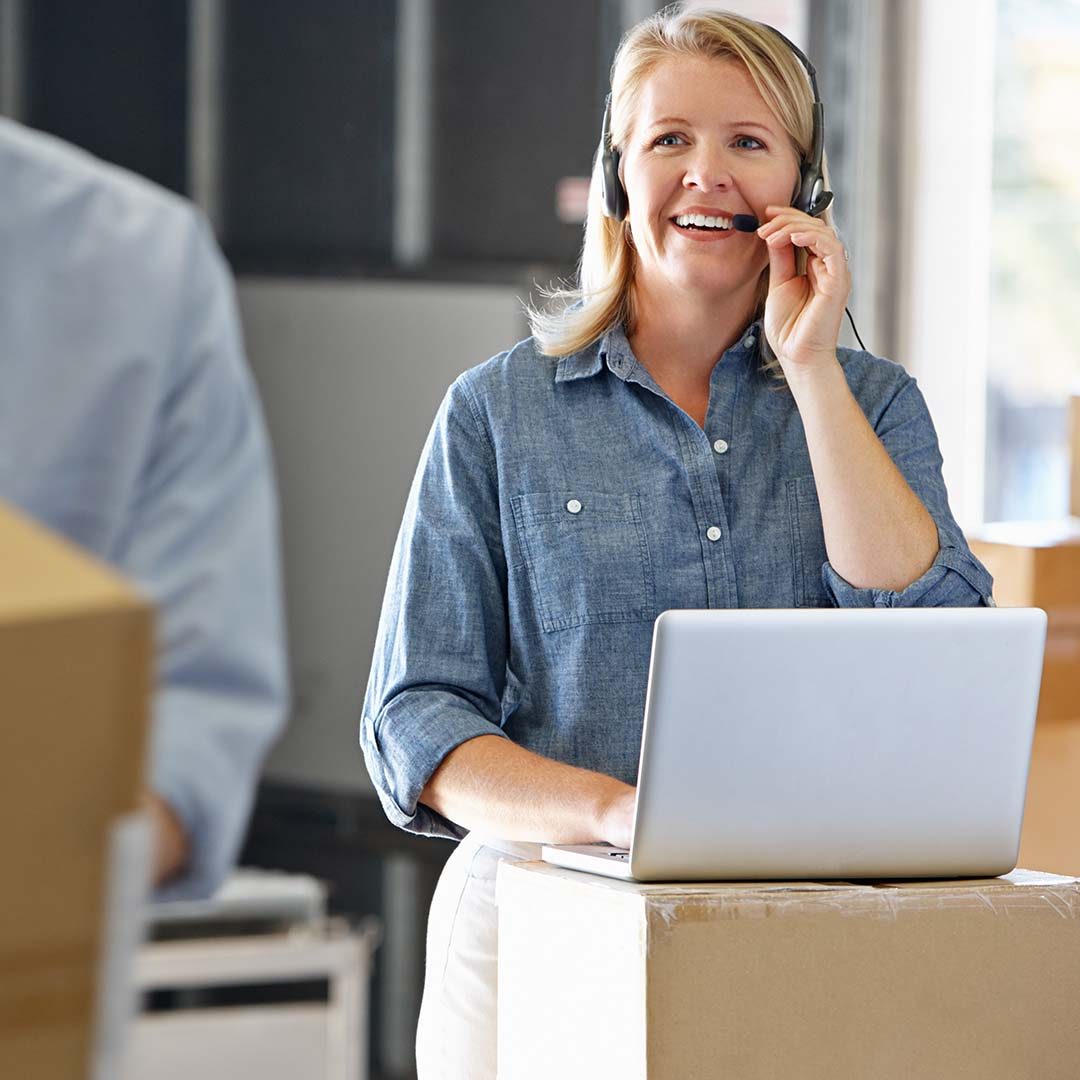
(601, 978)
(1051, 836)
(1037, 564)
(75, 682)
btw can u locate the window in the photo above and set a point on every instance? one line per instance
(1034, 349)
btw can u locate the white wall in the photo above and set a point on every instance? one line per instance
(351, 374)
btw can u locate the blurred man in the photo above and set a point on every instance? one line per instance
(129, 423)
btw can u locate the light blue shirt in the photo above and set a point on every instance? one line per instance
(129, 423)
(561, 504)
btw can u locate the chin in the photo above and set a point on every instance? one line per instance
(711, 286)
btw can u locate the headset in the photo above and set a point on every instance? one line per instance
(812, 197)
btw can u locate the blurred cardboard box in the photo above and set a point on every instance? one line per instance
(1051, 836)
(1037, 564)
(965, 980)
(75, 683)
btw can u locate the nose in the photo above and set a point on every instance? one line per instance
(708, 170)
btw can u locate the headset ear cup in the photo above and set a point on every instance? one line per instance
(615, 201)
(812, 199)
(808, 180)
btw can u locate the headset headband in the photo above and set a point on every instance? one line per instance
(811, 198)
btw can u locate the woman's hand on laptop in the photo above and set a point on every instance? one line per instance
(615, 821)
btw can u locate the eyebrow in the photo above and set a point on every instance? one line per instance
(734, 123)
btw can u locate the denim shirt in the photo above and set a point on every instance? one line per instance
(561, 504)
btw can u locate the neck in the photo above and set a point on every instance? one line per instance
(683, 335)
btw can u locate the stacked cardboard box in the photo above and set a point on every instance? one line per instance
(974, 980)
(1038, 564)
(75, 671)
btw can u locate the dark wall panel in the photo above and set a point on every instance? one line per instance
(518, 99)
(306, 117)
(308, 132)
(110, 76)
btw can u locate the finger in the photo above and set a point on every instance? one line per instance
(782, 267)
(793, 220)
(786, 208)
(817, 276)
(775, 225)
(776, 217)
(798, 222)
(827, 249)
(791, 235)
(804, 228)
(823, 245)
(827, 275)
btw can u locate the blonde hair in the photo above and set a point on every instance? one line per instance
(576, 317)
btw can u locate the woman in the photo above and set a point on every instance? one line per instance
(686, 435)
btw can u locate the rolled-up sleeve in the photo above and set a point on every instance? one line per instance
(439, 665)
(955, 578)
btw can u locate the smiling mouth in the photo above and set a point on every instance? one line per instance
(702, 223)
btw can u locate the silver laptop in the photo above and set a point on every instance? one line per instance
(831, 744)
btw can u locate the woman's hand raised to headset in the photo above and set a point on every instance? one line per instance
(803, 313)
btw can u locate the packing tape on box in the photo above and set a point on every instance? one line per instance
(1020, 891)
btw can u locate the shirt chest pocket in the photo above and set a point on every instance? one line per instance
(586, 556)
(807, 543)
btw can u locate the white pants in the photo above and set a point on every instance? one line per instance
(456, 1035)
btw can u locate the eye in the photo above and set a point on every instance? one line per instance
(748, 142)
(663, 140)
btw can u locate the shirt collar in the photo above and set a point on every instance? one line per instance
(580, 365)
(614, 350)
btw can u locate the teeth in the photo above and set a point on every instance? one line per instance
(703, 221)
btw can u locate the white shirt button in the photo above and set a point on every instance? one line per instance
(573, 506)
(713, 532)
(720, 446)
